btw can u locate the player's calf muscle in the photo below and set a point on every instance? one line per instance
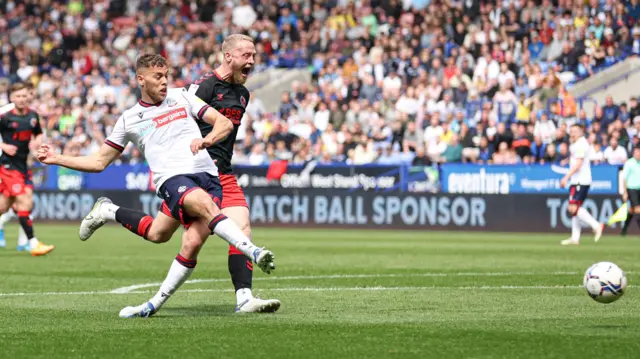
(158, 236)
(193, 239)
(240, 215)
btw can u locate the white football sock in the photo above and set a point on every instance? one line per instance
(242, 295)
(230, 232)
(576, 228)
(108, 211)
(178, 274)
(6, 217)
(22, 237)
(33, 242)
(587, 218)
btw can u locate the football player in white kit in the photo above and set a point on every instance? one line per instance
(579, 180)
(163, 126)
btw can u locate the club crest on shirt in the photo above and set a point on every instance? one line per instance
(171, 102)
(220, 96)
(243, 101)
(182, 189)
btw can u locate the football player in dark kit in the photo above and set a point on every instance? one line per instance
(223, 89)
(18, 129)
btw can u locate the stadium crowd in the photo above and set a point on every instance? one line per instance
(412, 81)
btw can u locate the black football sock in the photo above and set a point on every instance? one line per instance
(26, 223)
(627, 222)
(241, 270)
(135, 221)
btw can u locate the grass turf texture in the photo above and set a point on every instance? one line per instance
(345, 294)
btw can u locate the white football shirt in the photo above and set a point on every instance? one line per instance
(163, 133)
(581, 149)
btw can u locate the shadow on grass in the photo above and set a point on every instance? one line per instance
(209, 310)
(609, 326)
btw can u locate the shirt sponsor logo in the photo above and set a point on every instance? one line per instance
(171, 116)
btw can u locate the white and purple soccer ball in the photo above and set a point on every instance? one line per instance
(605, 282)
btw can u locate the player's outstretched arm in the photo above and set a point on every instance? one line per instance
(96, 162)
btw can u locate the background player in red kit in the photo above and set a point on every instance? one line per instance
(223, 90)
(23, 241)
(18, 128)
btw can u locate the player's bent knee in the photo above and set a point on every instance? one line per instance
(199, 204)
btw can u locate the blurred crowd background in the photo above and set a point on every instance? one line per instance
(397, 81)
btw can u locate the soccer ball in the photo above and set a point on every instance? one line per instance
(605, 282)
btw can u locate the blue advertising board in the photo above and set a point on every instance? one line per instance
(504, 179)
(448, 178)
(114, 177)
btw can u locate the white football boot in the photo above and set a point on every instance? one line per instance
(568, 242)
(598, 232)
(257, 305)
(142, 311)
(93, 220)
(263, 258)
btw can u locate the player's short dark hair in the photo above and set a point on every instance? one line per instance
(578, 126)
(17, 87)
(150, 60)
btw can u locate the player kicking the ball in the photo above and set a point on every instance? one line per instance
(20, 129)
(579, 179)
(163, 127)
(223, 90)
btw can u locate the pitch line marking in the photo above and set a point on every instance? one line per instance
(303, 289)
(134, 287)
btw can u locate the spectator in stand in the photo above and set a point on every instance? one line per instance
(615, 154)
(551, 156)
(544, 129)
(538, 149)
(453, 151)
(563, 154)
(610, 112)
(522, 144)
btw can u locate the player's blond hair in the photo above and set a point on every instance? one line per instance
(232, 41)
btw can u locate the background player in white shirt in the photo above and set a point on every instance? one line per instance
(579, 180)
(162, 126)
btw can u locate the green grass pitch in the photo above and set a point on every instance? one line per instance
(344, 293)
